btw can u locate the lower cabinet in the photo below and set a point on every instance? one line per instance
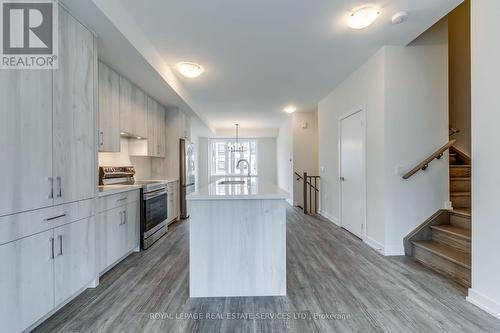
(41, 271)
(74, 257)
(118, 233)
(173, 201)
(26, 281)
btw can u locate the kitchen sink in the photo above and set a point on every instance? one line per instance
(230, 182)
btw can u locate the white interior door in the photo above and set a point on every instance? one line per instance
(352, 169)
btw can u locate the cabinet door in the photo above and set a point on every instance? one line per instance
(109, 109)
(161, 132)
(152, 126)
(26, 281)
(139, 112)
(73, 115)
(74, 257)
(131, 225)
(115, 238)
(126, 115)
(25, 140)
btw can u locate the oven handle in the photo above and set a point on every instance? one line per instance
(154, 194)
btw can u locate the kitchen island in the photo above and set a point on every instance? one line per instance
(237, 239)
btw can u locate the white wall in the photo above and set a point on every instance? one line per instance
(305, 149)
(363, 89)
(284, 158)
(404, 93)
(266, 150)
(142, 164)
(485, 291)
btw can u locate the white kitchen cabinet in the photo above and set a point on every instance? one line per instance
(73, 113)
(109, 109)
(25, 140)
(173, 201)
(133, 109)
(27, 281)
(156, 129)
(118, 228)
(74, 257)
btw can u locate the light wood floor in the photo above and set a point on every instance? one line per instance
(328, 271)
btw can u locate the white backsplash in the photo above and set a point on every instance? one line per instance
(142, 164)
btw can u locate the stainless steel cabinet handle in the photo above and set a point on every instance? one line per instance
(51, 193)
(60, 237)
(101, 138)
(121, 199)
(158, 149)
(59, 182)
(51, 240)
(121, 217)
(342, 179)
(124, 217)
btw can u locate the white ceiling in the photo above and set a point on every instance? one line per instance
(261, 55)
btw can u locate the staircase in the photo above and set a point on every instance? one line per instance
(443, 242)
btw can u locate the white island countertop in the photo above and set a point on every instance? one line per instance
(254, 188)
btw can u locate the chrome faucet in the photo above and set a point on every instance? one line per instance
(248, 165)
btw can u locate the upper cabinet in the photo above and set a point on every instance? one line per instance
(133, 109)
(156, 129)
(73, 113)
(109, 109)
(47, 132)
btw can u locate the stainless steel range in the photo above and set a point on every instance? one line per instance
(154, 201)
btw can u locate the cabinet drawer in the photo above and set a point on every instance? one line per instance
(117, 200)
(20, 225)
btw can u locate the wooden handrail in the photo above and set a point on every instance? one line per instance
(425, 163)
(309, 183)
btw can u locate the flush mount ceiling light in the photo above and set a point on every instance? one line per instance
(190, 69)
(290, 109)
(362, 17)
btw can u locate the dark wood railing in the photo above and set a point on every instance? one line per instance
(310, 189)
(425, 163)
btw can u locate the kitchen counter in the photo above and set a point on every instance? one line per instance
(254, 188)
(105, 190)
(237, 240)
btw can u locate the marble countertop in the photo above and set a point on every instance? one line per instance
(254, 188)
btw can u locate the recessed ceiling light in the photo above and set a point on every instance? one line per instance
(190, 69)
(290, 109)
(362, 17)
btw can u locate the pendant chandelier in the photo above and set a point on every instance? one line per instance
(236, 147)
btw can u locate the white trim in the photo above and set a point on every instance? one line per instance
(374, 244)
(339, 182)
(394, 250)
(484, 302)
(330, 218)
(290, 202)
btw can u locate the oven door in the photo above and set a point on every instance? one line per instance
(155, 211)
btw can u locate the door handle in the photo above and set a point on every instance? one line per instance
(51, 193)
(101, 138)
(60, 238)
(59, 182)
(51, 240)
(342, 179)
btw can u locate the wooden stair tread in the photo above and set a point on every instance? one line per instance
(460, 178)
(460, 194)
(456, 231)
(462, 211)
(459, 165)
(447, 252)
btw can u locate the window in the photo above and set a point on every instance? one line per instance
(223, 162)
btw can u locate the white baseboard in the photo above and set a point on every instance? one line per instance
(394, 250)
(374, 245)
(329, 217)
(290, 202)
(484, 302)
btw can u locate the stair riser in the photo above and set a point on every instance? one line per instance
(460, 221)
(460, 185)
(453, 159)
(461, 201)
(460, 172)
(445, 238)
(448, 268)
